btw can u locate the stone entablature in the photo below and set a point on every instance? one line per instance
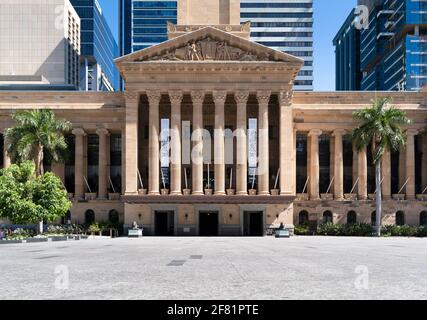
(243, 30)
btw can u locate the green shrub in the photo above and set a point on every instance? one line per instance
(302, 230)
(358, 230)
(94, 227)
(20, 234)
(330, 229)
(422, 232)
(64, 229)
(399, 231)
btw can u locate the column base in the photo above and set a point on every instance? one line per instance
(339, 198)
(362, 197)
(263, 193)
(131, 193)
(386, 197)
(176, 193)
(411, 197)
(198, 193)
(154, 193)
(242, 193)
(220, 193)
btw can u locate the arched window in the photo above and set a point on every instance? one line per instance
(423, 218)
(328, 217)
(67, 218)
(89, 217)
(113, 217)
(351, 217)
(303, 217)
(373, 218)
(400, 218)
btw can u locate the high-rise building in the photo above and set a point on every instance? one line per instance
(39, 44)
(143, 23)
(393, 48)
(347, 56)
(285, 25)
(98, 49)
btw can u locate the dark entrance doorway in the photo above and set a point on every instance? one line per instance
(164, 223)
(208, 224)
(253, 224)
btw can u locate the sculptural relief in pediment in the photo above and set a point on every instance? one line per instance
(208, 49)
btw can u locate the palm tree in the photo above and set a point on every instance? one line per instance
(37, 132)
(380, 127)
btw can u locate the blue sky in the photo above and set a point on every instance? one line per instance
(328, 18)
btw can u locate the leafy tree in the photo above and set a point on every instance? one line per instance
(36, 131)
(380, 127)
(27, 198)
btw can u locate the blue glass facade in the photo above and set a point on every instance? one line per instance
(347, 56)
(394, 46)
(98, 48)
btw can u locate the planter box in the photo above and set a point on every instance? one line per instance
(282, 233)
(142, 191)
(164, 192)
(90, 196)
(35, 240)
(231, 192)
(208, 192)
(64, 238)
(252, 192)
(114, 196)
(275, 192)
(422, 197)
(350, 196)
(10, 241)
(186, 192)
(132, 233)
(302, 196)
(327, 196)
(399, 197)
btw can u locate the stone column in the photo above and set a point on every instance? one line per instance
(79, 184)
(103, 135)
(287, 137)
(314, 163)
(153, 143)
(241, 98)
(263, 98)
(363, 174)
(410, 163)
(130, 143)
(176, 159)
(219, 98)
(6, 158)
(197, 136)
(386, 175)
(338, 165)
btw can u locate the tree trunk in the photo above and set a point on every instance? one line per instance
(378, 199)
(39, 161)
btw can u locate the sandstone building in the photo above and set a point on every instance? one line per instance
(296, 163)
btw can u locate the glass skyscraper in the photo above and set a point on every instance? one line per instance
(393, 49)
(284, 25)
(98, 49)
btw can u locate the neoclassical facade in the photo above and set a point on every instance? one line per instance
(209, 139)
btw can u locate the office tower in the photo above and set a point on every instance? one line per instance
(347, 56)
(284, 25)
(142, 23)
(287, 26)
(39, 44)
(98, 49)
(394, 46)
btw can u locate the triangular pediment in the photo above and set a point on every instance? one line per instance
(209, 44)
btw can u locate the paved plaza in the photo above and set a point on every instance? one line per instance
(216, 268)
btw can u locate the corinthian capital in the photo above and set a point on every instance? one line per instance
(263, 96)
(153, 96)
(78, 132)
(198, 96)
(131, 95)
(285, 98)
(175, 96)
(219, 96)
(241, 96)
